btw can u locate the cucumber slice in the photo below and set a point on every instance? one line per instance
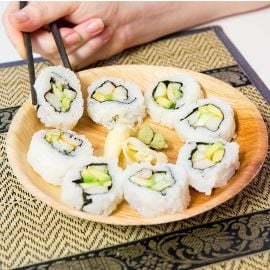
(213, 123)
(101, 168)
(193, 118)
(120, 93)
(161, 90)
(53, 100)
(203, 119)
(174, 92)
(159, 177)
(165, 103)
(202, 148)
(106, 89)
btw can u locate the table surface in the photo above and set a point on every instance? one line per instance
(249, 32)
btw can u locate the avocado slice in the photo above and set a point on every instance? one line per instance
(90, 175)
(99, 97)
(65, 103)
(142, 182)
(218, 155)
(214, 110)
(59, 85)
(161, 185)
(161, 90)
(52, 136)
(212, 149)
(203, 109)
(166, 103)
(57, 92)
(69, 94)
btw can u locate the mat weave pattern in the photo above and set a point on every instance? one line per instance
(33, 232)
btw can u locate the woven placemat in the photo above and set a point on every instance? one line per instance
(33, 232)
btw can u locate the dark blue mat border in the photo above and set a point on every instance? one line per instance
(187, 260)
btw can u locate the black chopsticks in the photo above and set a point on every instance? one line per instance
(60, 45)
(30, 61)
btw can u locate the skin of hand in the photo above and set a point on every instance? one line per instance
(102, 29)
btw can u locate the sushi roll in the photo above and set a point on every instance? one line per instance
(156, 190)
(206, 118)
(52, 153)
(209, 163)
(59, 98)
(94, 186)
(112, 101)
(166, 97)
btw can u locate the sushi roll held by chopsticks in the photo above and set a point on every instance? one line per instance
(59, 97)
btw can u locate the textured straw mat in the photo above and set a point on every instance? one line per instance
(33, 232)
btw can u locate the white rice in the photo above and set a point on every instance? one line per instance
(46, 112)
(212, 177)
(226, 128)
(191, 92)
(49, 163)
(152, 203)
(102, 204)
(111, 113)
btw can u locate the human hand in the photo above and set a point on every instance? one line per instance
(127, 24)
(82, 37)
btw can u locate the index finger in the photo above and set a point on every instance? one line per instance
(14, 35)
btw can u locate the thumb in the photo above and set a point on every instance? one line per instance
(37, 14)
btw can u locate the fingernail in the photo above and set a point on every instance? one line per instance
(95, 26)
(72, 39)
(21, 16)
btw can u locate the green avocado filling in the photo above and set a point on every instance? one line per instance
(60, 96)
(208, 116)
(157, 181)
(207, 155)
(167, 93)
(63, 142)
(151, 138)
(110, 92)
(96, 175)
